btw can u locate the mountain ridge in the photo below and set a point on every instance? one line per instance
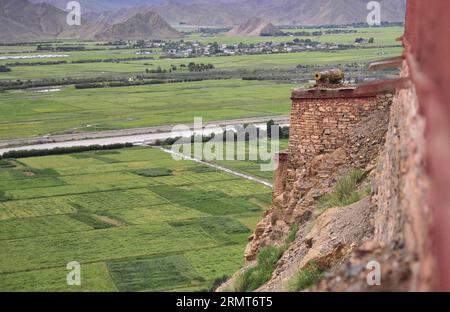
(22, 20)
(234, 12)
(145, 25)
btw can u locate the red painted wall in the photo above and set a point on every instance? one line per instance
(427, 43)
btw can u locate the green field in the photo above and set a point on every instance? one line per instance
(25, 113)
(249, 62)
(131, 230)
(127, 107)
(246, 166)
(381, 35)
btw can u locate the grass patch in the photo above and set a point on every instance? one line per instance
(202, 169)
(306, 278)
(155, 172)
(6, 164)
(224, 230)
(3, 197)
(256, 276)
(91, 220)
(346, 191)
(154, 274)
(207, 201)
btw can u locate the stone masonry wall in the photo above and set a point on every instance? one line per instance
(403, 217)
(320, 125)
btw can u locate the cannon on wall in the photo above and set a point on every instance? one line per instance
(332, 76)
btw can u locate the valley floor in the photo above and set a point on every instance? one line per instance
(135, 219)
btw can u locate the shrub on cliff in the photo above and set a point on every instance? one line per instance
(306, 278)
(258, 275)
(346, 191)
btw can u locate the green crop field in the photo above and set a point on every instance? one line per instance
(128, 107)
(381, 35)
(76, 110)
(282, 60)
(131, 225)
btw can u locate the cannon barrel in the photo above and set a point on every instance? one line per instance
(332, 76)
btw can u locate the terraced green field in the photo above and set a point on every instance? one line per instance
(135, 219)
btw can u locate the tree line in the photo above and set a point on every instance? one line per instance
(63, 150)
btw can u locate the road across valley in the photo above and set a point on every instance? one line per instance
(135, 136)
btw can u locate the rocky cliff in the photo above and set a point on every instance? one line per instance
(332, 133)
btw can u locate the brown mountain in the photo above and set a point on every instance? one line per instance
(279, 12)
(25, 21)
(22, 20)
(255, 26)
(147, 25)
(321, 12)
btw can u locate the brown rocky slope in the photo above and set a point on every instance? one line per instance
(254, 27)
(148, 25)
(380, 135)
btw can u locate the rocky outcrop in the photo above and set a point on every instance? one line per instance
(332, 238)
(254, 27)
(351, 276)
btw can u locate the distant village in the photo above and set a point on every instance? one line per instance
(182, 49)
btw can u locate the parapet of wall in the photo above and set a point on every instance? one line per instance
(320, 120)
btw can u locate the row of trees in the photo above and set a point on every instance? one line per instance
(116, 84)
(111, 60)
(48, 47)
(63, 150)
(239, 134)
(193, 67)
(362, 40)
(4, 69)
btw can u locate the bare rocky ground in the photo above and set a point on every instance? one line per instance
(351, 275)
(332, 238)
